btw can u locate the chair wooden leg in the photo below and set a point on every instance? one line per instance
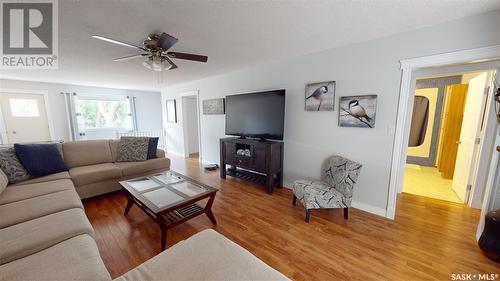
(308, 215)
(346, 213)
(294, 200)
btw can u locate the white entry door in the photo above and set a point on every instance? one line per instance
(471, 128)
(24, 118)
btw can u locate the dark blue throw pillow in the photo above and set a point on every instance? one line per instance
(40, 159)
(153, 145)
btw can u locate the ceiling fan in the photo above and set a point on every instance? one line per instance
(156, 51)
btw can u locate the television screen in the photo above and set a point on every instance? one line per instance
(256, 115)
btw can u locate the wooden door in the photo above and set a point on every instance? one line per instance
(452, 124)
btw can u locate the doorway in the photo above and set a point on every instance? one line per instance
(191, 125)
(485, 58)
(24, 117)
(444, 142)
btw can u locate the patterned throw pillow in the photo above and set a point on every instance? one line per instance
(132, 149)
(4, 181)
(10, 165)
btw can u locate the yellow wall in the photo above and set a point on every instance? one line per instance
(468, 76)
(424, 149)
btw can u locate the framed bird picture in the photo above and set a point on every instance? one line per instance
(358, 111)
(320, 96)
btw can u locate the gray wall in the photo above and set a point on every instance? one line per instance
(148, 106)
(366, 68)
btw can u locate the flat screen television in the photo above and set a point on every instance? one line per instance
(256, 115)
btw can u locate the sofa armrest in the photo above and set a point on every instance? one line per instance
(160, 153)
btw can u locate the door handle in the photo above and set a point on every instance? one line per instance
(458, 142)
(14, 132)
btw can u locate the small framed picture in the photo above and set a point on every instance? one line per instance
(320, 96)
(358, 111)
(213, 106)
(171, 111)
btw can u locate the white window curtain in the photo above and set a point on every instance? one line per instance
(94, 116)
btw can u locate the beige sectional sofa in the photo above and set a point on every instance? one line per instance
(45, 234)
(93, 168)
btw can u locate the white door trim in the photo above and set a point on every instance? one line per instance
(408, 67)
(492, 184)
(45, 100)
(483, 149)
(195, 93)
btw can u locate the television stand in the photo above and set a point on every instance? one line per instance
(259, 161)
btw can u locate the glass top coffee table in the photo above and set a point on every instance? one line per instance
(169, 198)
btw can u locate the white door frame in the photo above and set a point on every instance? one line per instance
(483, 151)
(195, 93)
(408, 68)
(46, 103)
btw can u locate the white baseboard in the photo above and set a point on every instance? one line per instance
(369, 208)
(355, 204)
(175, 153)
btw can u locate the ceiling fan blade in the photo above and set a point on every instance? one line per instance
(166, 41)
(186, 56)
(174, 66)
(117, 42)
(131, 57)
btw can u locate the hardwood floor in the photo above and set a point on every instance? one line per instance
(428, 240)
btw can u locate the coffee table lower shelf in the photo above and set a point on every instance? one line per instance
(183, 214)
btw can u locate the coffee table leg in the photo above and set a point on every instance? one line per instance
(163, 229)
(208, 210)
(130, 202)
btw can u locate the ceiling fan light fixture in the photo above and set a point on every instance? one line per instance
(156, 49)
(156, 63)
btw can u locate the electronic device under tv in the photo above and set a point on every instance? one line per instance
(256, 115)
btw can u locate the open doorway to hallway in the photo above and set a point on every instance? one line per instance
(449, 114)
(191, 127)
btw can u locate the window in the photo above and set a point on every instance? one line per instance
(103, 113)
(24, 108)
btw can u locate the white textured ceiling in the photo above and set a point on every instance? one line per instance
(233, 34)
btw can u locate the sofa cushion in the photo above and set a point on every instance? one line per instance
(83, 153)
(32, 236)
(11, 165)
(160, 153)
(98, 188)
(211, 256)
(113, 146)
(4, 181)
(135, 168)
(94, 173)
(132, 149)
(74, 259)
(152, 147)
(15, 193)
(51, 177)
(32, 208)
(40, 159)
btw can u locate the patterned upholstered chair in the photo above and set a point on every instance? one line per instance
(333, 191)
